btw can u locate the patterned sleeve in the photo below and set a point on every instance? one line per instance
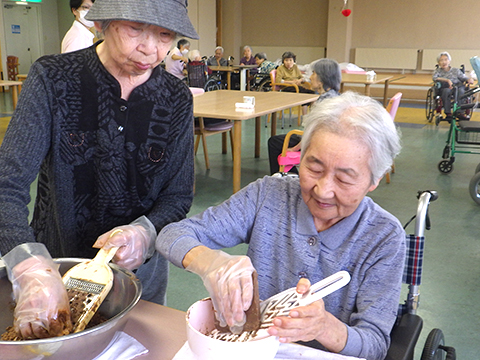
(23, 149)
(175, 198)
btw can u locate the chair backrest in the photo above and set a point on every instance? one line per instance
(197, 76)
(12, 67)
(273, 75)
(393, 104)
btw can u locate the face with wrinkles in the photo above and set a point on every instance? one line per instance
(134, 49)
(334, 177)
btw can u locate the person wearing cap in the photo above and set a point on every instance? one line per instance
(109, 134)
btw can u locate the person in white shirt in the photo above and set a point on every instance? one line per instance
(176, 60)
(79, 35)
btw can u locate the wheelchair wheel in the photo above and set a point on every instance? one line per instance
(474, 188)
(430, 105)
(477, 169)
(432, 350)
(213, 84)
(435, 348)
(265, 85)
(445, 166)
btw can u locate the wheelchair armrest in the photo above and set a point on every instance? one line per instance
(404, 337)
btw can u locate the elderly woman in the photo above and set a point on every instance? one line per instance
(326, 79)
(247, 58)
(109, 134)
(450, 78)
(288, 73)
(301, 230)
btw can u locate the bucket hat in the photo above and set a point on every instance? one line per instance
(169, 14)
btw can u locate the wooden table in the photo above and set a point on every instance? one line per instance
(14, 85)
(225, 69)
(162, 330)
(220, 104)
(243, 69)
(362, 79)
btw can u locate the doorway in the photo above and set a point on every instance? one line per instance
(22, 33)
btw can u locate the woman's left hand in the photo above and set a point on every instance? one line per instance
(311, 322)
(136, 242)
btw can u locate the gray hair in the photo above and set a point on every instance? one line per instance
(358, 117)
(219, 48)
(247, 47)
(329, 73)
(261, 55)
(444, 53)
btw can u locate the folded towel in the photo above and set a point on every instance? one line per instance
(122, 347)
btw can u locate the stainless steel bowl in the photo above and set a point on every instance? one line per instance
(84, 345)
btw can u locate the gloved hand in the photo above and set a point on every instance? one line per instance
(228, 280)
(136, 242)
(42, 306)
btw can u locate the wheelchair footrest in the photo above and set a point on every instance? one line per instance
(404, 337)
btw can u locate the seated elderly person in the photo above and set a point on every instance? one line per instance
(289, 73)
(264, 66)
(326, 79)
(301, 230)
(217, 59)
(450, 78)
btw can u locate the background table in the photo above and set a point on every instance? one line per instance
(362, 79)
(14, 85)
(220, 104)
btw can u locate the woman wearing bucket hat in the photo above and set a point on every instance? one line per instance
(109, 134)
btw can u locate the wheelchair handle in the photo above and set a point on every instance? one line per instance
(422, 219)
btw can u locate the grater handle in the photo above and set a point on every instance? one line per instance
(325, 287)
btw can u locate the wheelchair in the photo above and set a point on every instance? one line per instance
(261, 82)
(198, 77)
(434, 103)
(407, 329)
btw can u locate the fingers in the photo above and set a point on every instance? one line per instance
(302, 324)
(303, 285)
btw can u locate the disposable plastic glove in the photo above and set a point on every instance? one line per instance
(42, 307)
(228, 280)
(136, 242)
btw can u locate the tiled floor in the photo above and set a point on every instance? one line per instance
(449, 293)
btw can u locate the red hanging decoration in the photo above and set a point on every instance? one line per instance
(346, 12)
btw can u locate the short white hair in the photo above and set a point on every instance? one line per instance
(193, 54)
(444, 53)
(358, 117)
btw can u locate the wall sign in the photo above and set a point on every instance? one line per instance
(15, 29)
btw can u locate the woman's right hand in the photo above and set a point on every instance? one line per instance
(42, 307)
(228, 279)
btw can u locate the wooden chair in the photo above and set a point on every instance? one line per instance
(392, 108)
(12, 66)
(279, 87)
(204, 128)
(289, 159)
